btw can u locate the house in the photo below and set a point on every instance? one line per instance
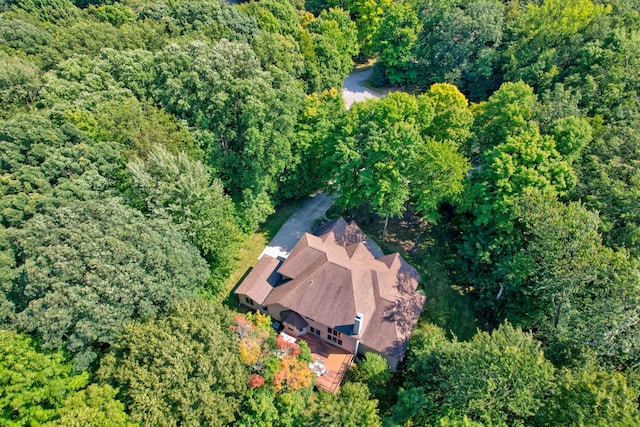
(332, 287)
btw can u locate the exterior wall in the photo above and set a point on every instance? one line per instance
(275, 310)
(245, 300)
(248, 302)
(348, 343)
(391, 361)
(293, 331)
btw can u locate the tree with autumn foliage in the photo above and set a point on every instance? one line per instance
(273, 359)
(293, 374)
(280, 382)
(253, 332)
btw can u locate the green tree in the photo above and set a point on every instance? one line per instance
(96, 406)
(183, 189)
(39, 154)
(140, 127)
(319, 125)
(259, 409)
(513, 158)
(546, 36)
(394, 41)
(367, 15)
(335, 43)
(571, 134)
(591, 397)
(500, 378)
(34, 384)
(608, 183)
(19, 84)
(458, 44)
(41, 389)
(451, 119)
(86, 267)
(373, 371)
(182, 369)
(352, 406)
(508, 112)
(246, 114)
(371, 163)
(568, 278)
(437, 176)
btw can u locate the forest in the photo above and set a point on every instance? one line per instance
(142, 142)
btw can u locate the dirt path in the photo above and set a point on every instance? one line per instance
(354, 91)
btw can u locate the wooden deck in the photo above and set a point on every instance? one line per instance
(336, 361)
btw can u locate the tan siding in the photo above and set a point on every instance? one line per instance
(391, 361)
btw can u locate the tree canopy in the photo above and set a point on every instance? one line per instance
(40, 389)
(86, 267)
(182, 369)
(143, 142)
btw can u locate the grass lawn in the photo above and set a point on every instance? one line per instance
(253, 246)
(448, 304)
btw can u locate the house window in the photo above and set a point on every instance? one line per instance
(329, 330)
(248, 300)
(315, 331)
(334, 332)
(339, 342)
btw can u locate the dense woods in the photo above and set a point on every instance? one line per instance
(142, 141)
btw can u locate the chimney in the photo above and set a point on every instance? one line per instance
(357, 324)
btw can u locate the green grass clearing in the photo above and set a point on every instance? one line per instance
(448, 304)
(253, 246)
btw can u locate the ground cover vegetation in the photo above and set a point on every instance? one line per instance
(143, 142)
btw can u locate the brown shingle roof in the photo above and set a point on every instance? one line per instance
(293, 318)
(340, 232)
(260, 280)
(333, 276)
(331, 282)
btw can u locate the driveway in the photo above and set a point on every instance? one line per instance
(300, 222)
(353, 89)
(316, 206)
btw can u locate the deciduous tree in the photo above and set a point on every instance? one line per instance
(41, 389)
(181, 369)
(181, 188)
(87, 267)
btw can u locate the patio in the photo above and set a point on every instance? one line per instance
(329, 361)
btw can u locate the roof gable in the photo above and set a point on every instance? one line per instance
(261, 279)
(340, 232)
(333, 275)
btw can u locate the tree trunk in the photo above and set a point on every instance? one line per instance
(413, 250)
(384, 230)
(556, 314)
